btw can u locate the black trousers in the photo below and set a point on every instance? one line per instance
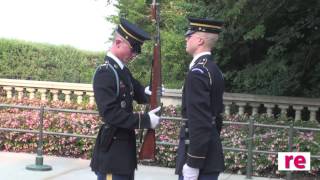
(205, 177)
(114, 176)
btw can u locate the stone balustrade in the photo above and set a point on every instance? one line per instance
(47, 90)
(272, 105)
(234, 102)
(255, 104)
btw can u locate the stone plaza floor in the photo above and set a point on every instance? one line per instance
(13, 167)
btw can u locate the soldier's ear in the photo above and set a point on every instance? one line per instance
(118, 42)
(201, 41)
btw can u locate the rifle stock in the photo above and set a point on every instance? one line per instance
(148, 147)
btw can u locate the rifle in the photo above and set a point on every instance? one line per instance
(148, 147)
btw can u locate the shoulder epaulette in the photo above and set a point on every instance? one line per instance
(105, 66)
(197, 69)
(202, 64)
(101, 67)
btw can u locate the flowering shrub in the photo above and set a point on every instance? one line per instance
(167, 132)
(233, 136)
(76, 123)
(268, 139)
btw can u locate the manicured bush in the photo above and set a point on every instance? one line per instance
(39, 61)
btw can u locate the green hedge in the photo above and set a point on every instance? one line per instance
(37, 61)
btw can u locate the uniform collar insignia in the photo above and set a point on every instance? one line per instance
(195, 58)
(116, 60)
(202, 61)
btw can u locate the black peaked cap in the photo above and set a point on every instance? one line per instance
(133, 34)
(204, 25)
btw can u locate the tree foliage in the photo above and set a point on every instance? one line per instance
(267, 47)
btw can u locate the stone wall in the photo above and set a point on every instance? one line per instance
(234, 102)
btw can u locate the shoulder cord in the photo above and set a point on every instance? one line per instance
(116, 75)
(210, 78)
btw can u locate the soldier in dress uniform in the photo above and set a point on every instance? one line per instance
(200, 154)
(114, 154)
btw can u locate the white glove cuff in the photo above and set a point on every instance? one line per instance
(147, 91)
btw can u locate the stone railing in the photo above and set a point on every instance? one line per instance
(234, 102)
(45, 89)
(272, 105)
(254, 104)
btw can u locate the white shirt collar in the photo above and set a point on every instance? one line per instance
(116, 59)
(196, 57)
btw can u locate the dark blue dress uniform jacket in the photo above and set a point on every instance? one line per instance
(117, 111)
(202, 99)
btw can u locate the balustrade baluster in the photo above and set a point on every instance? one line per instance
(269, 109)
(8, 90)
(31, 92)
(91, 97)
(67, 96)
(255, 107)
(20, 92)
(241, 107)
(284, 109)
(227, 107)
(79, 96)
(43, 94)
(298, 110)
(54, 94)
(313, 110)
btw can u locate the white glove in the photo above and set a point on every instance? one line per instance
(154, 119)
(190, 173)
(148, 92)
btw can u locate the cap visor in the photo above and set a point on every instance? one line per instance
(189, 32)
